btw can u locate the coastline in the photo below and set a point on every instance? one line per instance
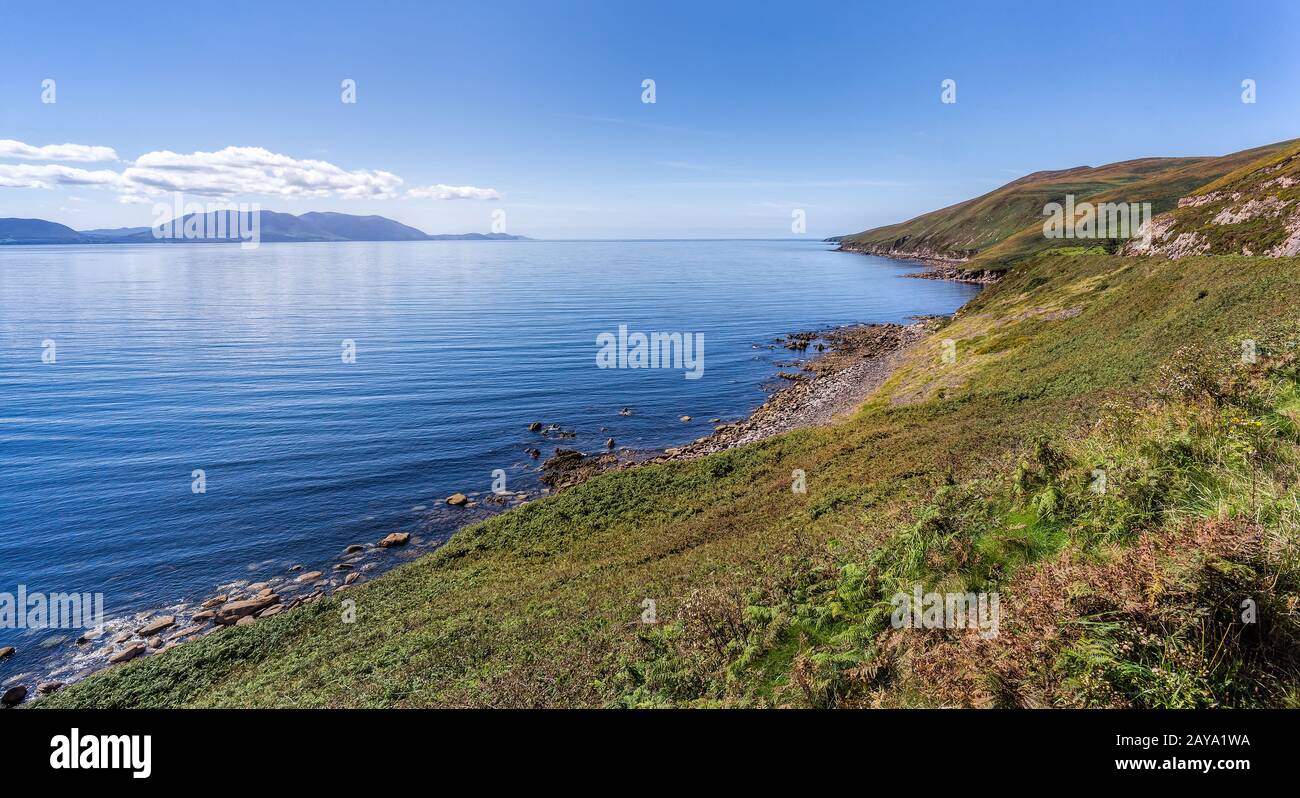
(937, 266)
(847, 364)
(856, 361)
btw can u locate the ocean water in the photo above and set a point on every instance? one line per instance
(178, 358)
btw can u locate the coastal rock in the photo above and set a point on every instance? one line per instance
(204, 615)
(456, 499)
(563, 458)
(247, 620)
(274, 609)
(350, 578)
(154, 627)
(6, 651)
(235, 610)
(395, 539)
(343, 566)
(14, 696)
(187, 631)
(129, 653)
(569, 467)
(686, 418)
(258, 586)
(49, 687)
(310, 576)
(536, 426)
(533, 453)
(155, 642)
(354, 548)
(215, 601)
(609, 444)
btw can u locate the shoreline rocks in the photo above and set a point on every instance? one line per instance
(857, 360)
(154, 627)
(14, 696)
(127, 654)
(853, 361)
(939, 266)
(395, 539)
(235, 610)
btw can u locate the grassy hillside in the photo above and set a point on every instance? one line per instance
(997, 229)
(961, 231)
(977, 475)
(1162, 190)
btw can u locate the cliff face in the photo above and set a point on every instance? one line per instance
(1252, 211)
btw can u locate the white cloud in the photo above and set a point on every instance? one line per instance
(10, 148)
(441, 192)
(253, 171)
(230, 172)
(49, 175)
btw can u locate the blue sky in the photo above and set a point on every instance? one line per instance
(761, 108)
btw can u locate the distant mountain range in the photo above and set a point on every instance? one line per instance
(274, 227)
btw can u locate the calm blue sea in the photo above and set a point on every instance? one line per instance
(169, 359)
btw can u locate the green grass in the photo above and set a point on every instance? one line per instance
(971, 475)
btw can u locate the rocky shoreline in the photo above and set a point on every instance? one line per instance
(958, 275)
(850, 363)
(938, 267)
(241, 602)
